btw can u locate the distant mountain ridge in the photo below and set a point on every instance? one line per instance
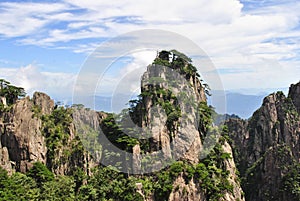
(239, 104)
(243, 105)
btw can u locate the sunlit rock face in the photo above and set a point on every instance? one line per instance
(267, 147)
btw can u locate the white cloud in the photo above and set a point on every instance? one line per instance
(234, 38)
(57, 85)
(125, 80)
(23, 19)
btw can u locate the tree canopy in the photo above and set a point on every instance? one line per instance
(10, 92)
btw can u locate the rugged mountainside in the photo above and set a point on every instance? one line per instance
(21, 139)
(173, 94)
(160, 157)
(267, 148)
(294, 94)
(34, 130)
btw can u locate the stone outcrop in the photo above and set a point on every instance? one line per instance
(167, 114)
(20, 132)
(237, 192)
(43, 102)
(86, 126)
(267, 146)
(294, 94)
(186, 191)
(184, 141)
(23, 139)
(181, 138)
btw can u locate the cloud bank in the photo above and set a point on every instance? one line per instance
(253, 44)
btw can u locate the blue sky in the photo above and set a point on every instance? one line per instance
(254, 44)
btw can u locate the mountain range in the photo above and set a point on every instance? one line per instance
(165, 146)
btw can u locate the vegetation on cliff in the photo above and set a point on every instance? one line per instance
(267, 148)
(67, 173)
(10, 93)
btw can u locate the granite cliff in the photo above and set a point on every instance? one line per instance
(171, 101)
(34, 130)
(267, 148)
(161, 137)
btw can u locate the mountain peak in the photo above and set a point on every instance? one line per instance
(294, 94)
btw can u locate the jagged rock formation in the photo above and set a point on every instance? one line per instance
(172, 119)
(294, 94)
(267, 147)
(43, 102)
(29, 133)
(22, 142)
(183, 191)
(168, 110)
(178, 138)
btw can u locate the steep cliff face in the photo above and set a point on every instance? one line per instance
(294, 94)
(267, 147)
(171, 114)
(20, 132)
(34, 130)
(173, 121)
(169, 109)
(86, 125)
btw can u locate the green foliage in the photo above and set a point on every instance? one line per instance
(212, 174)
(181, 55)
(18, 187)
(37, 111)
(107, 184)
(168, 101)
(10, 92)
(115, 128)
(56, 130)
(3, 174)
(171, 109)
(164, 55)
(79, 176)
(180, 62)
(163, 186)
(40, 173)
(205, 113)
(119, 130)
(291, 181)
(162, 62)
(62, 188)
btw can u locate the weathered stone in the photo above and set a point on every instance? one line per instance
(21, 136)
(184, 142)
(22, 142)
(186, 192)
(267, 146)
(294, 94)
(44, 102)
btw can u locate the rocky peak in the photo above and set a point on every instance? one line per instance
(168, 113)
(21, 139)
(294, 94)
(34, 130)
(168, 109)
(170, 91)
(267, 146)
(44, 102)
